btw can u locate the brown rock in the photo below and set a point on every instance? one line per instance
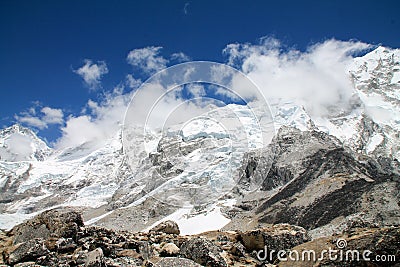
(128, 253)
(168, 227)
(169, 250)
(276, 237)
(27, 251)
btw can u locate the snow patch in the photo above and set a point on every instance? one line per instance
(9, 220)
(375, 140)
(191, 225)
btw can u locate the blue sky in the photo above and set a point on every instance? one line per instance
(44, 43)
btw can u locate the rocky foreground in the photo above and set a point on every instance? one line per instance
(58, 237)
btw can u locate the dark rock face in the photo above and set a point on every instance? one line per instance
(168, 227)
(203, 252)
(283, 159)
(335, 182)
(313, 181)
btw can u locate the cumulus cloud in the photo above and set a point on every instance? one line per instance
(52, 115)
(316, 78)
(148, 59)
(43, 119)
(157, 107)
(100, 120)
(92, 73)
(132, 82)
(31, 121)
(180, 57)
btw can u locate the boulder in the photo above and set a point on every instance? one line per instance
(168, 227)
(59, 223)
(238, 250)
(169, 250)
(95, 258)
(203, 251)
(26, 251)
(276, 237)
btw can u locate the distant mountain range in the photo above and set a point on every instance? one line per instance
(322, 173)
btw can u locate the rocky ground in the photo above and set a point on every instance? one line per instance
(58, 237)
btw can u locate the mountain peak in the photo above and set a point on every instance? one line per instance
(19, 143)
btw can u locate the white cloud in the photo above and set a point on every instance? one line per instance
(101, 121)
(133, 83)
(31, 121)
(43, 119)
(92, 73)
(20, 146)
(52, 115)
(180, 57)
(196, 90)
(316, 78)
(160, 107)
(147, 59)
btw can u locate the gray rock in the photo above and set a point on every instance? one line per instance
(169, 250)
(203, 251)
(95, 258)
(276, 237)
(168, 227)
(27, 251)
(176, 262)
(145, 250)
(55, 223)
(284, 159)
(238, 250)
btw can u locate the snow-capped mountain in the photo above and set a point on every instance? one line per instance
(71, 177)
(18, 143)
(191, 171)
(371, 124)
